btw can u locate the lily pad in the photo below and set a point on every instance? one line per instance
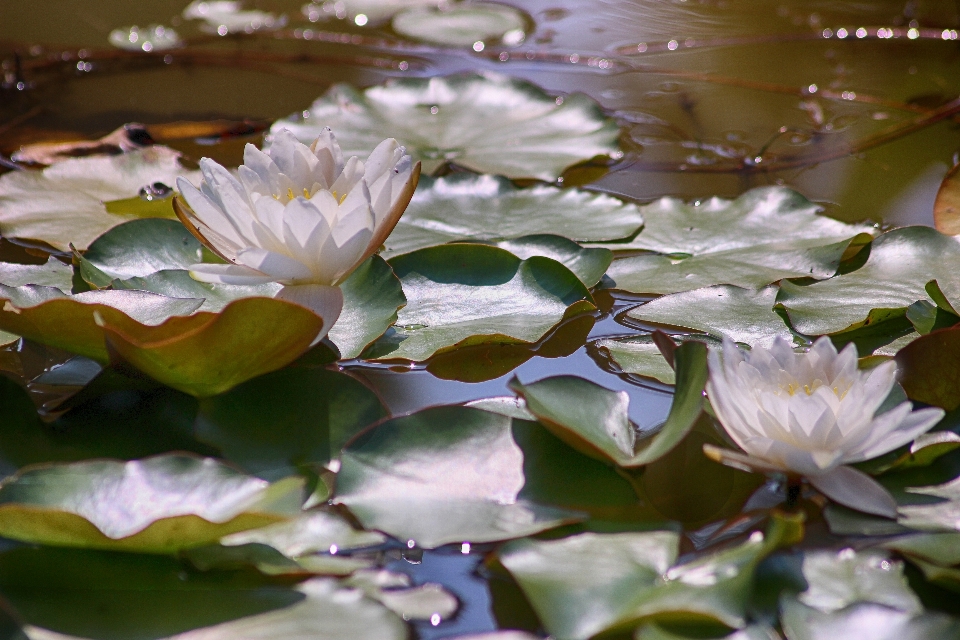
(585, 584)
(289, 421)
(51, 274)
(942, 548)
(895, 275)
(838, 580)
(209, 353)
(373, 11)
(464, 206)
(462, 24)
(487, 123)
(311, 532)
(589, 265)
(177, 283)
(595, 420)
(941, 516)
(639, 355)
(155, 505)
(762, 217)
(467, 294)
(867, 620)
(49, 316)
(753, 632)
(65, 203)
(442, 475)
(743, 315)
(372, 295)
(929, 370)
(140, 247)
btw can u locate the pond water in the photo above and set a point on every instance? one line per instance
(852, 104)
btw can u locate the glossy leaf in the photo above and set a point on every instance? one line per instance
(465, 119)
(901, 263)
(594, 420)
(310, 532)
(768, 217)
(461, 25)
(288, 421)
(51, 274)
(943, 516)
(466, 294)
(465, 206)
(753, 632)
(441, 475)
(930, 370)
(641, 356)
(838, 580)
(589, 265)
(64, 203)
(177, 283)
(206, 353)
(372, 295)
(140, 247)
(49, 316)
(873, 621)
(743, 315)
(588, 583)
(375, 11)
(155, 505)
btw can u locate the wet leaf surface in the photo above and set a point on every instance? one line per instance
(465, 119)
(461, 25)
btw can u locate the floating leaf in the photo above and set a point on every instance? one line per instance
(588, 265)
(588, 583)
(873, 621)
(487, 123)
(749, 267)
(465, 206)
(371, 297)
(942, 548)
(930, 369)
(946, 209)
(64, 203)
(461, 25)
(49, 316)
(373, 11)
(311, 532)
(425, 602)
(155, 505)
(764, 217)
(944, 516)
(51, 274)
(288, 421)
(753, 632)
(441, 475)
(209, 353)
(595, 420)
(837, 580)
(900, 264)
(639, 355)
(140, 247)
(177, 283)
(743, 315)
(465, 294)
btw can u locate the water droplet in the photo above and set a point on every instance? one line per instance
(913, 33)
(672, 45)
(333, 549)
(411, 544)
(361, 20)
(478, 46)
(465, 548)
(155, 191)
(861, 33)
(222, 30)
(435, 619)
(434, 110)
(842, 33)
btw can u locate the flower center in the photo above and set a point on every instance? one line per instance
(306, 194)
(794, 387)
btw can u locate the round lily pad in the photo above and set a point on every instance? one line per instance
(462, 24)
(487, 123)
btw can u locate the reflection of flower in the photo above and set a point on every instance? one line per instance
(298, 215)
(809, 414)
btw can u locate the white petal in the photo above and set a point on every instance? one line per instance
(227, 274)
(330, 157)
(857, 490)
(905, 427)
(279, 267)
(212, 216)
(326, 302)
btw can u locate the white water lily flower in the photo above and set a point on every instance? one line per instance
(810, 414)
(300, 216)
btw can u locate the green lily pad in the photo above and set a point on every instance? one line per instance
(866, 620)
(763, 217)
(462, 24)
(311, 532)
(743, 315)
(209, 353)
(51, 274)
(289, 421)
(748, 267)
(929, 370)
(639, 355)
(373, 11)
(942, 548)
(595, 420)
(465, 206)
(372, 295)
(753, 632)
(461, 295)
(941, 516)
(901, 263)
(155, 505)
(64, 203)
(589, 265)
(426, 602)
(585, 584)
(49, 316)
(837, 580)
(141, 247)
(177, 283)
(487, 123)
(442, 475)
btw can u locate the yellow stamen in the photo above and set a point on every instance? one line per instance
(306, 194)
(290, 193)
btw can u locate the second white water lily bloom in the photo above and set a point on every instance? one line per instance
(810, 414)
(300, 216)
